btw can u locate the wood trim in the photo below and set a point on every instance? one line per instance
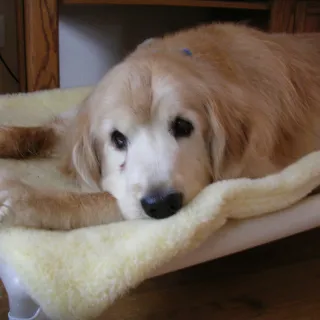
(282, 15)
(257, 5)
(41, 44)
(301, 12)
(307, 17)
(313, 7)
(21, 45)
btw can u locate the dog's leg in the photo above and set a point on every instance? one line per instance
(25, 206)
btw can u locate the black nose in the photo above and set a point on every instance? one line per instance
(163, 204)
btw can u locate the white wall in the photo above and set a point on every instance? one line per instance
(93, 38)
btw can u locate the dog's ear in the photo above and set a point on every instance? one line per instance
(146, 43)
(228, 138)
(83, 160)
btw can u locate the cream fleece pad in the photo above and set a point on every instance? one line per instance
(78, 274)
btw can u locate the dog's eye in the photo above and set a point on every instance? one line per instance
(181, 128)
(119, 140)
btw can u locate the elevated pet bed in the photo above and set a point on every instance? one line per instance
(78, 274)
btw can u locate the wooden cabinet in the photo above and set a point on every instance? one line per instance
(307, 16)
(295, 16)
(38, 27)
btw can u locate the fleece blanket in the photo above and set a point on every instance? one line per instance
(78, 274)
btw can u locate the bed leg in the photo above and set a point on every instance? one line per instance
(21, 306)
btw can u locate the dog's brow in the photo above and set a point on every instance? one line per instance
(136, 95)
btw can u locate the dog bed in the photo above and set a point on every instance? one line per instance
(78, 274)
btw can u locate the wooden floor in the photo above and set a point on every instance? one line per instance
(279, 281)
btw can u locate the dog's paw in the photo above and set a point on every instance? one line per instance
(5, 205)
(13, 194)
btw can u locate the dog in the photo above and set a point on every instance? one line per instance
(214, 102)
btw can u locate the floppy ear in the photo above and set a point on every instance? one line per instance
(228, 140)
(82, 159)
(145, 43)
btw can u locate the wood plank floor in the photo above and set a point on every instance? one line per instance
(278, 281)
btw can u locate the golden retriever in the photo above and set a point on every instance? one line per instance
(214, 102)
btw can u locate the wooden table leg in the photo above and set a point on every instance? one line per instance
(41, 44)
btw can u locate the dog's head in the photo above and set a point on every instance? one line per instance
(154, 134)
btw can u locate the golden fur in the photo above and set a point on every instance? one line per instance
(253, 97)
